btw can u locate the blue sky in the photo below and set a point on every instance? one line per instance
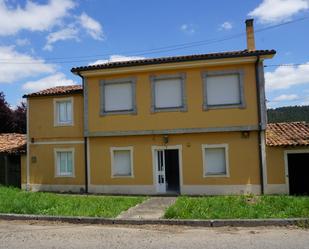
(40, 41)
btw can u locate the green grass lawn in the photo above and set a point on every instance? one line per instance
(237, 207)
(16, 201)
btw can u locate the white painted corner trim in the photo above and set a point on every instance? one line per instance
(58, 142)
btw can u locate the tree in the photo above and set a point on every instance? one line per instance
(20, 118)
(6, 116)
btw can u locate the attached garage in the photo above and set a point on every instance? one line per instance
(12, 150)
(288, 158)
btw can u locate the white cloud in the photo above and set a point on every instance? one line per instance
(286, 97)
(285, 77)
(115, 58)
(272, 11)
(92, 27)
(70, 33)
(226, 26)
(188, 29)
(58, 79)
(16, 66)
(33, 16)
(23, 42)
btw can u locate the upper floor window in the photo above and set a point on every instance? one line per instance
(63, 111)
(118, 96)
(223, 89)
(168, 93)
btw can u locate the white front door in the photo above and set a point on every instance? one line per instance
(160, 171)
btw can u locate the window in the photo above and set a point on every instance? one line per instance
(63, 110)
(215, 160)
(117, 96)
(223, 89)
(122, 161)
(64, 159)
(168, 93)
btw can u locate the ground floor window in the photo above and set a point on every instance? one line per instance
(215, 160)
(64, 159)
(122, 161)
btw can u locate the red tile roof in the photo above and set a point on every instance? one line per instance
(170, 59)
(58, 90)
(287, 134)
(12, 143)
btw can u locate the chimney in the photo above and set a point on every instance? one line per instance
(250, 35)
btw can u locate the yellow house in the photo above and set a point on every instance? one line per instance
(190, 124)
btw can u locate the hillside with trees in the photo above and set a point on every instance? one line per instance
(288, 114)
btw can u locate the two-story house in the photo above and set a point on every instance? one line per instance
(190, 124)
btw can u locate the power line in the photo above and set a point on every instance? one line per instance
(156, 50)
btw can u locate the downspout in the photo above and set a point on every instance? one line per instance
(257, 81)
(28, 147)
(85, 141)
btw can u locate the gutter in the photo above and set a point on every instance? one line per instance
(257, 81)
(85, 140)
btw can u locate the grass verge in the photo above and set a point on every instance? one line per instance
(239, 207)
(16, 201)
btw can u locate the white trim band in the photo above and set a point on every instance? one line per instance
(55, 188)
(123, 189)
(58, 142)
(220, 189)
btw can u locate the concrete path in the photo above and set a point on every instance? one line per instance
(152, 208)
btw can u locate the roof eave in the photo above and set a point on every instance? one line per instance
(268, 54)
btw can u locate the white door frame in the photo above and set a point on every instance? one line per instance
(154, 166)
(286, 165)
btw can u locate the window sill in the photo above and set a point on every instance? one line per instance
(169, 109)
(213, 107)
(216, 175)
(63, 124)
(126, 112)
(121, 176)
(65, 176)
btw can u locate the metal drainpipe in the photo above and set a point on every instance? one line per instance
(85, 146)
(257, 81)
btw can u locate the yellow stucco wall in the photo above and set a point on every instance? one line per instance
(195, 117)
(43, 170)
(41, 118)
(23, 168)
(243, 158)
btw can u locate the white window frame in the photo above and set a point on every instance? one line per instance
(57, 169)
(56, 113)
(128, 148)
(154, 78)
(239, 73)
(103, 83)
(212, 146)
